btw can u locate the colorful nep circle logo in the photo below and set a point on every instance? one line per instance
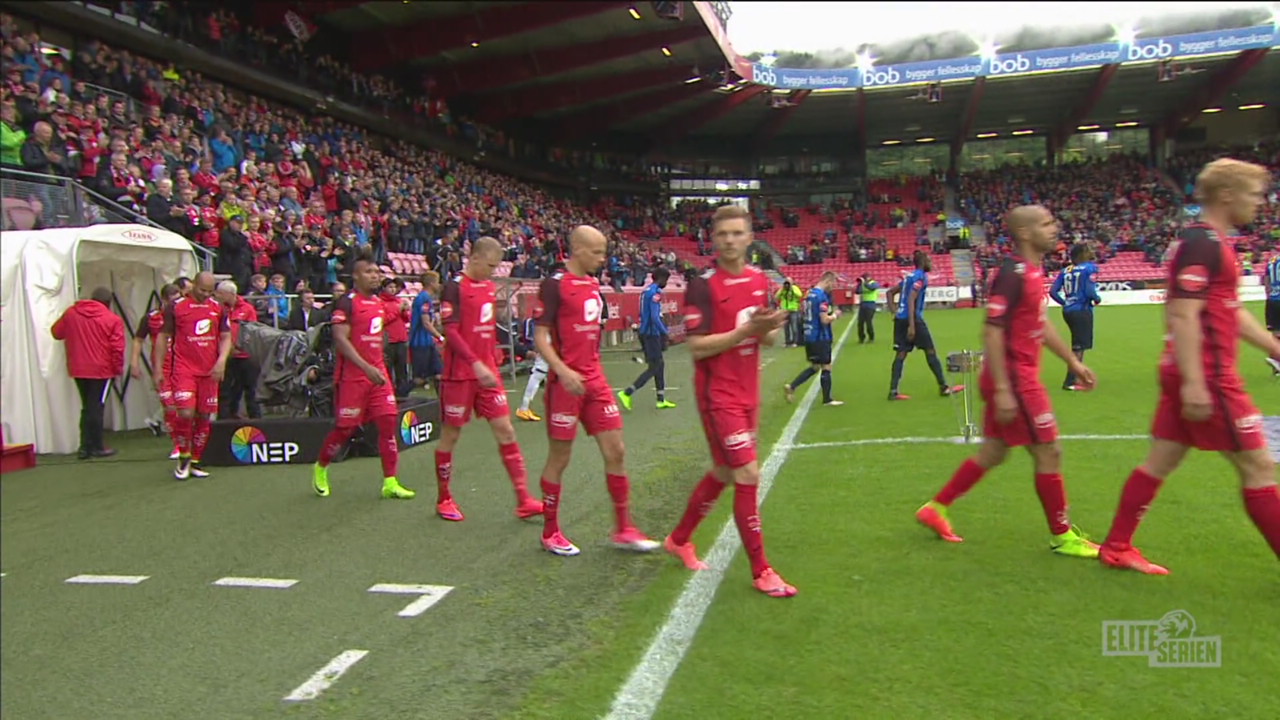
(407, 424)
(243, 440)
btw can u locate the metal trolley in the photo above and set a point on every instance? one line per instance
(967, 364)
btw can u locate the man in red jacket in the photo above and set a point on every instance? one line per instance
(397, 335)
(242, 372)
(95, 354)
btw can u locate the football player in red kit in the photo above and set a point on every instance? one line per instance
(727, 317)
(1018, 412)
(360, 379)
(1203, 403)
(161, 360)
(568, 316)
(470, 383)
(197, 332)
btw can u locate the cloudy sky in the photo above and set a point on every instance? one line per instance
(815, 26)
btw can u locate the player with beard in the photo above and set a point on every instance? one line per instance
(568, 335)
(360, 379)
(1018, 411)
(728, 317)
(197, 333)
(1203, 403)
(470, 383)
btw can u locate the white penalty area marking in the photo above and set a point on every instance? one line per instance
(430, 595)
(106, 579)
(954, 440)
(256, 582)
(326, 676)
(638, 699)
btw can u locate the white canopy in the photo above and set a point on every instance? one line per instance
(42, 273)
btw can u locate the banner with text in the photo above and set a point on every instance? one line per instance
(1032, 61)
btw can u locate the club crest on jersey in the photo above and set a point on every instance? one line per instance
(1193, 278)
(203, 326)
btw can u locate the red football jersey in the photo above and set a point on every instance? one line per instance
(195, 329)
(366, 316)
(571, 305)
(150, 327)
(1203, 267)
(717, 302)
(472, 307)
(1017, 306)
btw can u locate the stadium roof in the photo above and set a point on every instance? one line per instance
(579, 72)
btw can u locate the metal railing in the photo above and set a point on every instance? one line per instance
(35, 201)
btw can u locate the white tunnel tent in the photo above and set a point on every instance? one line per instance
(42, 273)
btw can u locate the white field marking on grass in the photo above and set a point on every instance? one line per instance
(326, 676)
(638, 699)
(431, 594)
(256, 582)
(952, 440)
(106, 579)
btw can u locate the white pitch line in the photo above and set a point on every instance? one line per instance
(106, 579)
(638, 699)
(326, 676)
(256, 582)
(953, 440)
(431, 594)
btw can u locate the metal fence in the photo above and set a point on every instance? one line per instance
(32, 201)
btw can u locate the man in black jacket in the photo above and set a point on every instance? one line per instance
(305, 315)
(235, 258)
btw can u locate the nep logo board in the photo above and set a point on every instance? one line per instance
(1168, 642)
(413, 432)
(250, 446)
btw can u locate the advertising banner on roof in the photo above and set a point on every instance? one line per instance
(1191, 45)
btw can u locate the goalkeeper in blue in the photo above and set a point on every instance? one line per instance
(1076, 290)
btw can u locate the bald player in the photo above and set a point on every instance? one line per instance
(197, 332)
(1018, 412)
(471, 383)
(568, 333)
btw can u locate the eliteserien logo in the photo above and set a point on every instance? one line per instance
(1167, 642)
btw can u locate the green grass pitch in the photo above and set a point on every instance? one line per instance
(889, 622)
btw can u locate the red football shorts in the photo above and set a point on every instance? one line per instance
(731, 433)
(166, 390)
(459, 397)
(1234, 426)
(358, 401)
(596, 409)
(1032, 424)
(200, 393)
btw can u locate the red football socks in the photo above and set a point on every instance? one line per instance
(513, 461)
(182, 434)
(1263, 506)
(700, 503)
(444, 472)
(550, 508)
(1053, 497)
(200, 436)
(746, 514)
(333, 442)
(388, 450)
(619, 490)
(966, 476)
(1139, 491)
